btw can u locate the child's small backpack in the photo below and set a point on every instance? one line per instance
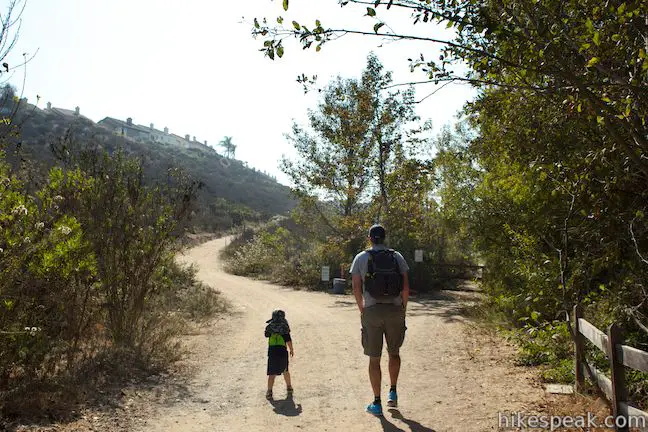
(276, 328)
(276, 340)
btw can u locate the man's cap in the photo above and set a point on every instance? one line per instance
(377, 232)
(277, 315)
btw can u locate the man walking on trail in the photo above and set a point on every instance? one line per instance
(381, 289)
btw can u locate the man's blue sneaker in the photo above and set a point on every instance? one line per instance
(375, 409)
(392, 399)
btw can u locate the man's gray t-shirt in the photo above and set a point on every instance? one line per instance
(360, 266)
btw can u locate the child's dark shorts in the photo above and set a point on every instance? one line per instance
(277, 360)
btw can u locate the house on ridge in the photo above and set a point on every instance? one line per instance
(65, 113)
(141, 133)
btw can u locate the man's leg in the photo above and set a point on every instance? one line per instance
(372, 341)
(287, 378)
(395, 335)
(375, 375)
(394, 368)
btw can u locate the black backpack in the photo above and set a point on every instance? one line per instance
(383, 280)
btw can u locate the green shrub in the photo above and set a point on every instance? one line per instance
(561, 372)
(182, 293)
(282, 256)
(47, 280)
(549, 344)
(86, 269)
(132, 228)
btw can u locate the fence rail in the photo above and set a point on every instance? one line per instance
(619, 356)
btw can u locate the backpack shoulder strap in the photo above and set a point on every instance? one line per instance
(370, 267)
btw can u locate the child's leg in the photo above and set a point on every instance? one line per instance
(271, 379)
(287, 378)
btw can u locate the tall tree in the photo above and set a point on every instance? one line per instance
(346, 153)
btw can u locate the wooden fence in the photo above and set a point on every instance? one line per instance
(618, 355)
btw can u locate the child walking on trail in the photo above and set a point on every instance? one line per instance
(278, 333)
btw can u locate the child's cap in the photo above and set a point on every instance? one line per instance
(277, 315)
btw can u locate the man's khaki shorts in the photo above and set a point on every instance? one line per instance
(379, 320)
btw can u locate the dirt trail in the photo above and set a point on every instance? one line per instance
(448, 381)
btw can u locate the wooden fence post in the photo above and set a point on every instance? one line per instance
(578, 350)
(617, 373)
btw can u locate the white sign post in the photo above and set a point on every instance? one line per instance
(418, 255)
(325, 273)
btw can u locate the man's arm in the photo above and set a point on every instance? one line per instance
(290, 348)
(404, 268)
(406, 290)
(357, 291)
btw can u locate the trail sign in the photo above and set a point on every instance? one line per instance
(326, 270)
(418, 255)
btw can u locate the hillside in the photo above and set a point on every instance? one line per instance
(231, 194)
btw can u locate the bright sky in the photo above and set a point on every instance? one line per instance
(194, 67)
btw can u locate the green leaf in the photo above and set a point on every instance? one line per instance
(256, 24)
(590, 25)
(296, 25)
(597, 38)
(371, 11)
(616, 37)
(318, 23)
(377, 27)
(621, 8)
(280, 51)
(285, 5)
(593, 61)
(318, 48)
(535, 315)
(280, 20)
